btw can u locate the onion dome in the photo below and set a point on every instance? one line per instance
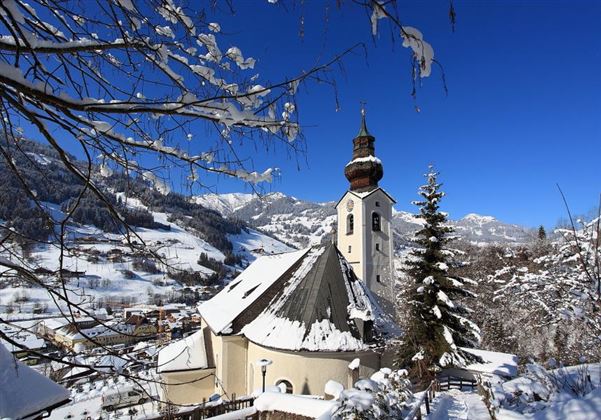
(365, 170)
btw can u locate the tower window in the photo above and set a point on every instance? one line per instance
(350, 224)
(375, 222)
(377, 247)
(349, 249)
(377, 204)
(378, 278)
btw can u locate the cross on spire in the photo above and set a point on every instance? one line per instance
(363, 130)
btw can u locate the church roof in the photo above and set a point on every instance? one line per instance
(365, 194)
(221, 311)
(317, 304)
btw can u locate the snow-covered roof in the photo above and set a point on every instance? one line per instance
(299, 405)
(25, 392)
(18, 333)
(495, 363)
(307, 321)
(102, 330)
(220, 311)
(316, 307)
(365, 159)
(365, 194)
(186, 354)
(55, 323)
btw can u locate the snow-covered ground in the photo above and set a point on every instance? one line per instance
(106, 267)
(565, 393)
(460, 405)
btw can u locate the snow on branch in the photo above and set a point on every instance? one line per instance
(145, 69)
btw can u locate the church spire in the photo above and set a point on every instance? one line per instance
(365, 170)
(363, 130)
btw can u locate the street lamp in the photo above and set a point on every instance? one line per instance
(263, 363)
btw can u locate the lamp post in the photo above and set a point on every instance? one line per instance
(263, 363)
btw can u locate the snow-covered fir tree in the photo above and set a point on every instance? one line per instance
(438, 325)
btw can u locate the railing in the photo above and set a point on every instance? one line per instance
(485, 390)
(424, 400)
(451, 382)
(204, 411)
(441, 384)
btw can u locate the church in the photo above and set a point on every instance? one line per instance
(299, 319)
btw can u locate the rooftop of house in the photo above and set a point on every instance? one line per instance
(186, 354)
(25, 393)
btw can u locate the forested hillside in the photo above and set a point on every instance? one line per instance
(44, 177)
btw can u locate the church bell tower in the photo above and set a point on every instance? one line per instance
(364, 234)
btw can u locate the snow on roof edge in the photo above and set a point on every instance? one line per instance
(25, 392)
(222, 309)
(186, 354)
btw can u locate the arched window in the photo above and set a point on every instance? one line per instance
(284, 385)
(350, 224)
(375, 222)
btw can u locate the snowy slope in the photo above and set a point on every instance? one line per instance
(480, 229)
(106, 265)
(296, 222)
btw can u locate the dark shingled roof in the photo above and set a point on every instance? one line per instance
(322, 294)
(319, 305)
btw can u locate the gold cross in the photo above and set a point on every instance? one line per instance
(363, 103)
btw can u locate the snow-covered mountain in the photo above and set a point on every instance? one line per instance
(225, 204)
(301, 223)
(297, 222)
(486, 229)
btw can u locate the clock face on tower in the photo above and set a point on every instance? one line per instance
(350, 204)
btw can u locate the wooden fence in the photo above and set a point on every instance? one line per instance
(443, 383)
(424, 400)
(446, 383)
(205, 411)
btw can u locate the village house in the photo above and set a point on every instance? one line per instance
(77, 337)
(299, 319)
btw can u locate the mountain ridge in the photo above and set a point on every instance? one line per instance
(304, 223)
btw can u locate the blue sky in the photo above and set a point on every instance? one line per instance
(522, 115)
(523, 111)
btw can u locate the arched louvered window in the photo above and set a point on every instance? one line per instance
(285, 386)
(350, 224)
(375, 222)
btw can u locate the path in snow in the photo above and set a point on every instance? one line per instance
(455, 404)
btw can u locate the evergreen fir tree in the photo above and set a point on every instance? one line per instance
(438, 325)
(542, 234)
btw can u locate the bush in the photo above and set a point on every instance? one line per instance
(146, 265)
(386, 395)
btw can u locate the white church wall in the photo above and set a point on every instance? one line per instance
(378, 247)
(351, 245)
